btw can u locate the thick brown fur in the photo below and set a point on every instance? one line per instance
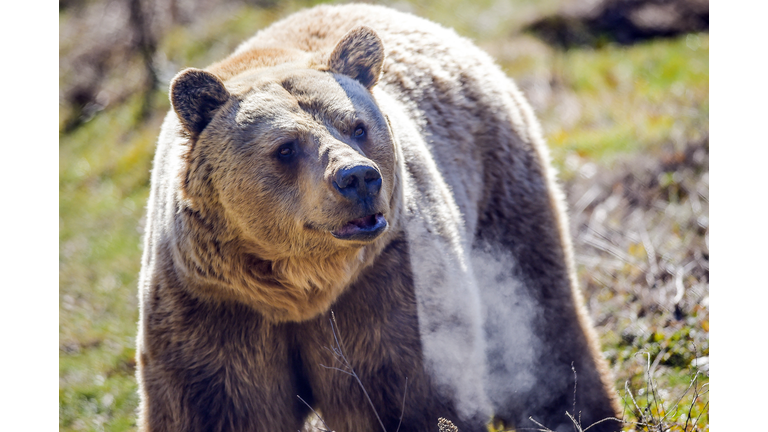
(467, 294)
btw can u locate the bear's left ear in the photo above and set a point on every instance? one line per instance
(360, 55)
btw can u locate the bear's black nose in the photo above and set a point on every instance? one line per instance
(358, 182)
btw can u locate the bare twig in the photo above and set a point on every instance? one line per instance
(638, 411)
(690, 409)
(543, 428)
(575, 383)
(402, 410)
(338, 352)
(598, 422)
(631, 396)
(699, 416)
(680, 399)
(338, 370)
(576, 421)
(327, 429)
(664, 422)
(599, 241)
(588, 198)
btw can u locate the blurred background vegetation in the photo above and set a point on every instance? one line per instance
(621, 88)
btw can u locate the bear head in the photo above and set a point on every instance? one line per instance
(289, 185)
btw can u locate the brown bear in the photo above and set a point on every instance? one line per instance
(355, 213)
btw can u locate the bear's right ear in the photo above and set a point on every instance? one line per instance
(195, 96)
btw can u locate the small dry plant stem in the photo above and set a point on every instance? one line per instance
(696, 394)
(576, 422)
(575, 382)
(327, 429)
(542, 428)
(650, 389)
(338, 354)
(402, 410)
(645, 416)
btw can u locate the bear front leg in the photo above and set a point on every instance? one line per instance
(374, 379)
(220, 367)
(205, 400)
(365, 361)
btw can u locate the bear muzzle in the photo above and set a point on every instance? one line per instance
(360, 185)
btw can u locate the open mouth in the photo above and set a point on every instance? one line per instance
(364, 228)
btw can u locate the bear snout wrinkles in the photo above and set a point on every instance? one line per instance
(358, 182)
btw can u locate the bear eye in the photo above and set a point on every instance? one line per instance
(359, 132)
(286, 151)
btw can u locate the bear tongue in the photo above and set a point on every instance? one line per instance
(356, 225)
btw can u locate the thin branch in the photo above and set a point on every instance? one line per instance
(338, 370)
(340, 348)
(402, 410)
(600, 421)
(575, 383)
(576, 424)
(543, 428)
(702, 412)
(334, 325)
(693, 381)
(634, 402)
(690, 409)
(327, 429)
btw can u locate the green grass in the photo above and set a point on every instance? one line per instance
(103, 189)
(633, 98)
(630, 99)
(602, 103)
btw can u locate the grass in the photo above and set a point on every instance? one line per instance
(603, 103)
(633, 99)
(625, 100)
(103, 190)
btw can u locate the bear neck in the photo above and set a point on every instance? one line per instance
(215, 264)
